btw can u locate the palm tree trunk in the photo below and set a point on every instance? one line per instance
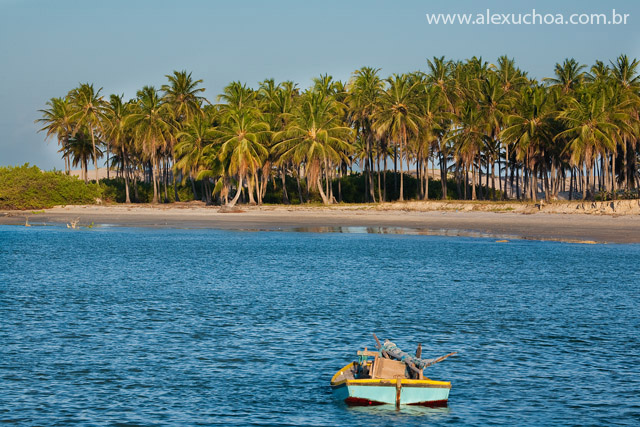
(67, 159)
(95, 155)
(154, 172)
(404, 142)
(264, 181)
(327, 179)
(554, 182)
(251, 184)
(481, 194)
(426, 179)
(593, 167)
(325, 200)
(193, 187)
(136, 197)
(207, 186)
(526, 192)
(443, 175)
(237, 196)
(126, 176)
(627, 164)
(299, 187)
(331, 176)
(534, 184)
(505, 196)
(378, 167)
(571, 186)
(613, 175)
(493, 179)
(175, 185)
(473, 181)
(372, 191)
(584, 182)
(384, 180)
(395, 168)
(547, 186)
(483, 189)
(466, 181)
(418, 178)
(308, 185)
(500, 183)
(340, 182)
(165, 179)
(283, 178)
(365, 164)
(260, 183)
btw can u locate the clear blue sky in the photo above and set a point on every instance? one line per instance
(48, 47)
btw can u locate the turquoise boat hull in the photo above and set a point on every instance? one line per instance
(424, 392)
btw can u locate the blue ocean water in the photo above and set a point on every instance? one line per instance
(125, 326)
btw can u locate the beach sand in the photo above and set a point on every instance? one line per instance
(498, 220)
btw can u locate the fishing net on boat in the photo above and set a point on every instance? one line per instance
(396, 353)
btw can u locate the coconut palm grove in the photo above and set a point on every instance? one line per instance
(462, 129)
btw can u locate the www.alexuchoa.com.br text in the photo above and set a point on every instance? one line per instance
(529, 18)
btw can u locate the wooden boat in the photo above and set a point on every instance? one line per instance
(391, 377)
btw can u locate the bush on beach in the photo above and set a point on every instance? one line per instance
(27, 187)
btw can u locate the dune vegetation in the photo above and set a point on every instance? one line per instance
(27, 187)
(487, 130)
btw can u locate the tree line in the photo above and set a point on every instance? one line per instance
(488, 129)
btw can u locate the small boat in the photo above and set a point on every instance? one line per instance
(389, 376)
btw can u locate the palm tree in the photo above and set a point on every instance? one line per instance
(150, 121)
(193, 140)
(276, 104)
(58, 121)
(441, 77)
(589, 130)
(469, 140)
(241, 137)
(569, 75)
(529, 128)
(182, 95)
(434, 121)
(81, 148)
(398, 115)
(237, 96)
(118, 134)
(512, 80)
(494, 103)
(316, 137)
(365, 92)
(88, 106)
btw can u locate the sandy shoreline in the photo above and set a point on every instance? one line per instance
(437, 218)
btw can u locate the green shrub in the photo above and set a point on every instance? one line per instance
(27, 187)
(353, 187)
(113, 191)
